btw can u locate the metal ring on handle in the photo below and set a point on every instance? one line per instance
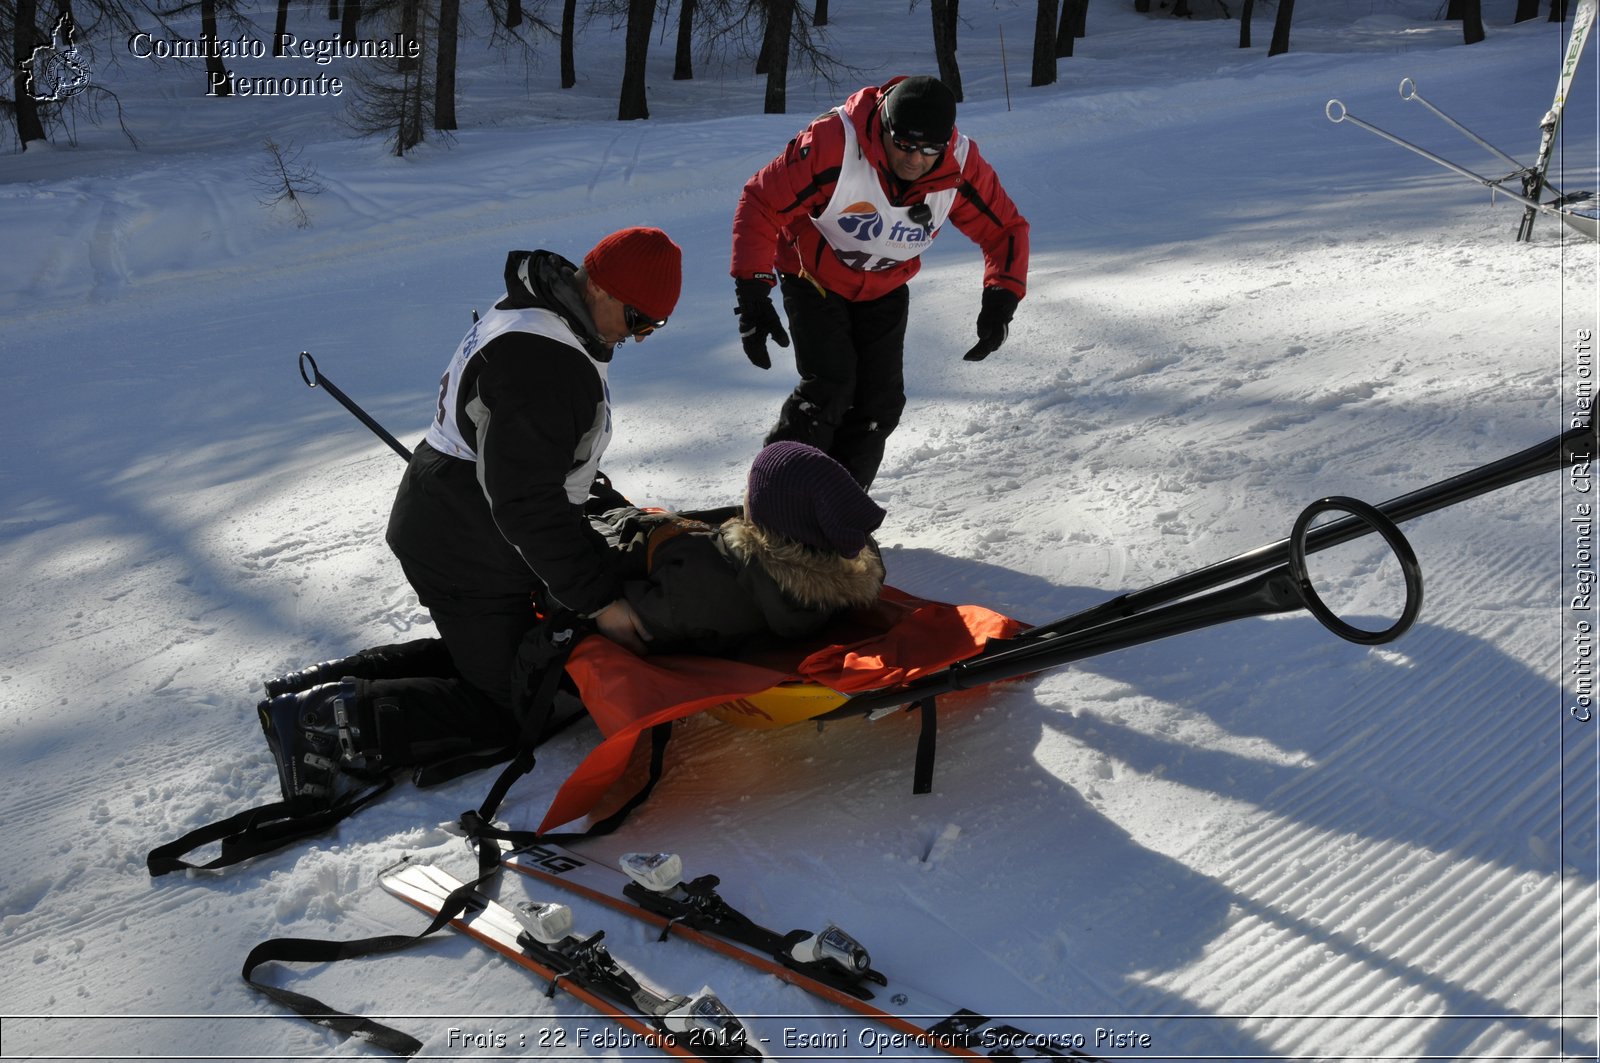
(311, 381)
(1408, 89)
(1328, 110)
(1373, 518)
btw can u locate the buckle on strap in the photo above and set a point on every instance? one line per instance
(349, 733)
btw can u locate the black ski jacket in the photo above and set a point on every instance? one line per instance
(499, 521)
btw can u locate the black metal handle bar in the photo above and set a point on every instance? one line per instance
(316, 379)
(1281, 589)
(1554, 453)
(1157, 612)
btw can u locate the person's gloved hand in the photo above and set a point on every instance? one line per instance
(758, 319)
(994, 320)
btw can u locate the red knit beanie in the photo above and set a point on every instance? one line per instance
(640, 266)
(802, 494)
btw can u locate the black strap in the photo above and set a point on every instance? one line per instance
(535, 723)
(259, 830)
(307, 950)
(927, 741)
(478, 826)
(269, 827)
(442, 771)
(558, 636)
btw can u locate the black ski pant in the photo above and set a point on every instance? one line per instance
(850, 356)
(481, 597)
(471, 695)
(415, 707)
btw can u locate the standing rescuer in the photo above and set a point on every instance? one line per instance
(837, 222)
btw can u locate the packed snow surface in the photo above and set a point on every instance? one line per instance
(1250, 841)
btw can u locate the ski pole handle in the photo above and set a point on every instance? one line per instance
(316, 379)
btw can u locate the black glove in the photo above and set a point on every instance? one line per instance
(758, 319)
(994, 320)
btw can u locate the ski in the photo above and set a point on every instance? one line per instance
(540, 938)
(828, 963)
(1534, 184)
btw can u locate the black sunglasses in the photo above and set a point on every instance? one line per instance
(911, 147)
(638, 324)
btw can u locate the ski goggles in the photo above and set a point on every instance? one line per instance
(638, 324)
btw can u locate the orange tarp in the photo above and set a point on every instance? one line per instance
(900, 639)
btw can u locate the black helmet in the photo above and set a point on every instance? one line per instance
(920, 109)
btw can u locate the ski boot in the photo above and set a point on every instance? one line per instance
(311, 735)
(317, 674)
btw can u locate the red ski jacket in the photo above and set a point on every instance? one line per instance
(772, 223)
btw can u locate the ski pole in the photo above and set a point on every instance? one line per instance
(1408, 92)
(1337, 113)
(316, 379)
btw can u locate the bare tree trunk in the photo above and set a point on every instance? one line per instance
(281, 27)
(944, 44)
(1558, 10)
(1074, 24)
(1245, 14)
(763, 59)
(1044, 44)
(410, 22)
(1527, 10)
(780, 27)
(513, 14)
(333, 10)
(23, 41)
(409, 130)
(1472, 21)
(569, 69)
(350, 22)
(633, 103)
(1280, 28)
(216, 72)
(683, 59)
(444, 83)
(819, 15)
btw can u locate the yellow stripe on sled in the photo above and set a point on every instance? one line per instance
(779, 706)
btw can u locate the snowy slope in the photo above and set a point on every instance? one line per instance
(1252, 841)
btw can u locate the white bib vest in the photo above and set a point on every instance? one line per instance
(445, 436)
(862, 227)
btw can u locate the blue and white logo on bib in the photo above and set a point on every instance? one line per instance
(862, 221)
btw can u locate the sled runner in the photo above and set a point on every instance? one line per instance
(1528, 182)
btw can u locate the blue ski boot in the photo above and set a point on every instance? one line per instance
(309, 735)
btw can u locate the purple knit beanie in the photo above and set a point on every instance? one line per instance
(802, 494)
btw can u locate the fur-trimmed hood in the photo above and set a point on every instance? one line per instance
(814, 579)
